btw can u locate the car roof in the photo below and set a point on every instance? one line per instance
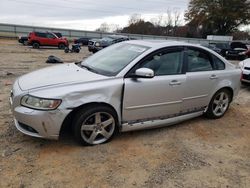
(161, 43)
(116, 36)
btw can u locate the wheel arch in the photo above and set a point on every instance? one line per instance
(35, 41)
(228, 88)
(63, 43)
(67, 123)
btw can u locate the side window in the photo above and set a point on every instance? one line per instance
(49, 35)
(218, 64)
(165, 62)
(43, 35)
(198, 61)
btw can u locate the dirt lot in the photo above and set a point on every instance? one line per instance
(197, 153)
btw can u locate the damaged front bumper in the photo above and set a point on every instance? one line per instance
(36, 123)
(41, 124)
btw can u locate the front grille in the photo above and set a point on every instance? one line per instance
(90, 43)
(27, 128)
(247, 68)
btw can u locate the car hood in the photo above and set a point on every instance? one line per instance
(94, 40)
(57, 75)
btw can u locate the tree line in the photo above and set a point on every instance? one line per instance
(202, 18)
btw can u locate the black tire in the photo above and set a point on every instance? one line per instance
(61, 46)
(88, 117)
(245, 83)
(36, 45)
(243, 57)
(77, 50)
(66, 50)
(222, 106)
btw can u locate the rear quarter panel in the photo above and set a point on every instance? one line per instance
(228, 78)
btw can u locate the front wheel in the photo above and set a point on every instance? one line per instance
(95, 125)
(77, 50)
(219, 104)
(35, 45)
(61, 46)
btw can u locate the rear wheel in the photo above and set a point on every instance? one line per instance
(219, 104)
(35, 45)
(66, 50)
(95, 125)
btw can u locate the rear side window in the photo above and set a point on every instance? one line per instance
(198, 61)
(218, 64)
(41, 34)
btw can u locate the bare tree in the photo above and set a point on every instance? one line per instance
(104, 27)
(176, 17)
(114, 27)
(135, 18)
(159, 18)
(168, 23)
(169, 20)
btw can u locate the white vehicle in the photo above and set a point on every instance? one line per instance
(245, 67)
(128, 86)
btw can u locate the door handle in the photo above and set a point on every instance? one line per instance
(213, 77)
(175, 83)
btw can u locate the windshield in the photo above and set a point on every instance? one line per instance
(107, 39)
(111, 60)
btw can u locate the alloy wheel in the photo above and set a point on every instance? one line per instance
(220, 103)
(98, 128)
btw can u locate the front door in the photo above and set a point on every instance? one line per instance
(159, 97)
(51, 40)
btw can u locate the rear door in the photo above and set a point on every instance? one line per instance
(201, 79)
(42, 38)
(158, 97)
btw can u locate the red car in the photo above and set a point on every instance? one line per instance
(37, 39)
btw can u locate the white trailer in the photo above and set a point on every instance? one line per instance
(219, 38)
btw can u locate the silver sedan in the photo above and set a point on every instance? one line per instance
(128, 86)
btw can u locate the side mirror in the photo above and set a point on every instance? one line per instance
(144, 73)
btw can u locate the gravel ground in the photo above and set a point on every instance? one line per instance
(196, 153)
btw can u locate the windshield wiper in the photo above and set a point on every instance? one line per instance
(89, 68)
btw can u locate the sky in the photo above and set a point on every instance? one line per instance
(84, 14)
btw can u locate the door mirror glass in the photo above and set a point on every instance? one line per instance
(144, 73)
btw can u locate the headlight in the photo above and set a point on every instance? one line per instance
(40, 103)
(97, 44)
